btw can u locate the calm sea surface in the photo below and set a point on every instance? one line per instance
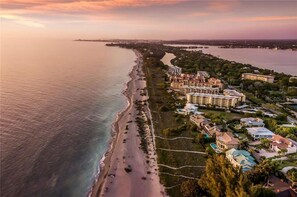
(278, 60)
(58, 102)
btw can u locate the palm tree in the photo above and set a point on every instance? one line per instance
(282, 152)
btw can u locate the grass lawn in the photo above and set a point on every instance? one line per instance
(227, 115)
(158, 99)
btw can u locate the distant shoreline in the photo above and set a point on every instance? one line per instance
(290, 44)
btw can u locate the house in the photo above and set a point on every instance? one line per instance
(260, 132)
(252, 122)
(241, 159)
(205, 124)
(190, 108)
(278, 142)
(226, 141)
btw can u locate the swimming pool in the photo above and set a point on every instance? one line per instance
(215, 147)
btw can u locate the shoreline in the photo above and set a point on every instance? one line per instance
(126, 147)
(105, 160)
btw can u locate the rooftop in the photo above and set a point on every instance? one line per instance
(212, 95)
(227, 138)
(259, 131)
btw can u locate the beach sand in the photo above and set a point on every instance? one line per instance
(143, 180)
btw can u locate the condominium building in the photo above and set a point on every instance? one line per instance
(229, 92)
(198, 89)
(212, 100)
(226, 141)
(252, 76)
(179, 81)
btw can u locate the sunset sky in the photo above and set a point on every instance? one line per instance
(150, 19)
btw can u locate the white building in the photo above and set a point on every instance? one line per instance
(229, 92)
(203, 74)
(212, 100)
(190, 108)
(260, 132)
(252, 122)
(174, 70)
(202, 89)
(278, 142)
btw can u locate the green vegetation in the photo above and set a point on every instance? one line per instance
(174, 133)
(292, 174)
(221, 180)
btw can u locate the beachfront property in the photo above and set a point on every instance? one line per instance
(252, 76)
(226, 141)
(260, 133)
(205, 124)
(230, 92)
(241, 159)
(278, 142)
(202, 89)
(252, 122)
(212, 100)
(182, 80)
(174, 70)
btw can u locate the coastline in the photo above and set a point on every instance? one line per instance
(109, 161)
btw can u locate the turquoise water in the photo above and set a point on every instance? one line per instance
(58, 101)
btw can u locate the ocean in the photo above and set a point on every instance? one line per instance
(59, 99)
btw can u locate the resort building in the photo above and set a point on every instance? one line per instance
(260, 132)
(215, 83)
(203, 89)
(226, 141)
(252, 122)
(174, 70)
(212, 100)
(179, 81)
(205, 124)
(251, 76)
(229, 92)
(241, 159)
(278, 142)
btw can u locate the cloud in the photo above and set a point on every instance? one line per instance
(222, 6)
(80, 5)
(266, 18)
(197, 14)
(22, 20)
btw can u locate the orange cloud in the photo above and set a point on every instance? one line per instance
(80, 5)
(268, 18)
(197, 14)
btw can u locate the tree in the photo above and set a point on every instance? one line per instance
(292, 174)
(261, 172)
(265, 142)
(282, 152)
(190, 188)
(200, 138)
(220, 179)
(260, 191)
(243, 144)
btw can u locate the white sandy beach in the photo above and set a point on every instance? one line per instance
(143, 180)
